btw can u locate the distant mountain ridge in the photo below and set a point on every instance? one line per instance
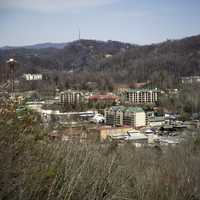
(60, 45)
(38, 46)
(163, 63)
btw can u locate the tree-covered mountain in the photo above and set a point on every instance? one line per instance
(162, 63)
(75, 55)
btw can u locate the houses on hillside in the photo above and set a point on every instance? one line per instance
(32, 77)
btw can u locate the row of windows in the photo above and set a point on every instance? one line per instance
(141, 96)
(142, 100)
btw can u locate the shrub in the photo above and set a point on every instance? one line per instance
(31, 169)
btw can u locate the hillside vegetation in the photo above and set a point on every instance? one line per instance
(90, 60)
(31, 167)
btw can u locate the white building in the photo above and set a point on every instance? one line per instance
(32, 77)
(156, 121)
(142, 96)
(190, 79)
(136, 136)
(98, 118)
(71, 97)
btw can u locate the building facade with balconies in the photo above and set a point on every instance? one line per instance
(142, 96)
(71, 97)
(125, 116)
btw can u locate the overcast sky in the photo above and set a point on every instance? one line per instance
(24, 22)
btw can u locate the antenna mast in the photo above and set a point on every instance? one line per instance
(79, 34)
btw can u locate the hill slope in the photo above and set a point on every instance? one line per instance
(164, 62)
(38, 46)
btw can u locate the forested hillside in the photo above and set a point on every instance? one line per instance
(91, 60)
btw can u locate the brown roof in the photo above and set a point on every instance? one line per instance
(103, 97)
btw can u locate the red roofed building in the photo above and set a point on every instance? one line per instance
(107, 98)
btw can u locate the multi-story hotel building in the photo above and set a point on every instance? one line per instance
(142, 96)
(71, 97)
(125, 116)
(114, 115)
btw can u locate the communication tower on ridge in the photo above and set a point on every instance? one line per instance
(79, 34)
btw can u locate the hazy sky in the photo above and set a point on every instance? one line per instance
(25, 22)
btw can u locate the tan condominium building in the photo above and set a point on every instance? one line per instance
(71, 97)
(125, 116)
(142, 96)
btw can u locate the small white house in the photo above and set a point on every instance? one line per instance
(32, 77)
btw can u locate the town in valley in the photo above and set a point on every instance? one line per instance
(134, 113)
